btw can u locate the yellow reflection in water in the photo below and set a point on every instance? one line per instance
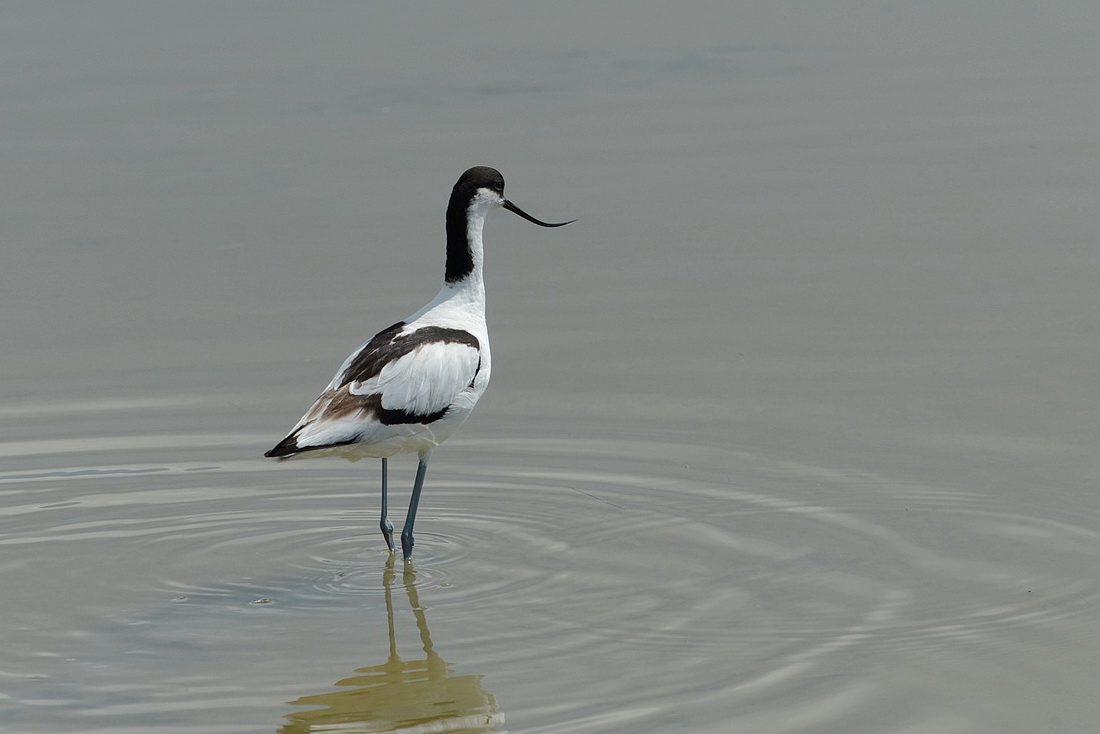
(410, 696)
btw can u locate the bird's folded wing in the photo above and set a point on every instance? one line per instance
(425, 380)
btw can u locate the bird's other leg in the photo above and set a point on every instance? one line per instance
(414, 502)
(384, 523)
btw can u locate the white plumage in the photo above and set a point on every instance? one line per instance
(427, 379)
(413, 384)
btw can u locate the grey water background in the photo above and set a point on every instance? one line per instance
(794, 430)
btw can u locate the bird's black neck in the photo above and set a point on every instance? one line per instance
(460, 253)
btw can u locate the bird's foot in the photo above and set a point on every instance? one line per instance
(407, 546)
(387, 533)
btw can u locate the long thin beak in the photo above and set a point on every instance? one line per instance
(515, 209)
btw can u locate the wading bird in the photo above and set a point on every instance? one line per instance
(414, 383)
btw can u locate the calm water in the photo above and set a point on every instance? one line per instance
(793, 431)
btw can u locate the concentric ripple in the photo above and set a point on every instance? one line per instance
(727, 572)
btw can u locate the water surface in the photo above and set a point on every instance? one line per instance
(794, 430)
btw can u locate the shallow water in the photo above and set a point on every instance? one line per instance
(794, 430)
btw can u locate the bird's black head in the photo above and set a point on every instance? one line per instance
(480, 177)
(465, 192)
(483, 178)
(479, 186)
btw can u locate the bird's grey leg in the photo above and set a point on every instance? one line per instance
(384, 523)
(414, 501)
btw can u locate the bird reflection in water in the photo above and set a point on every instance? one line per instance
(409, 696)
